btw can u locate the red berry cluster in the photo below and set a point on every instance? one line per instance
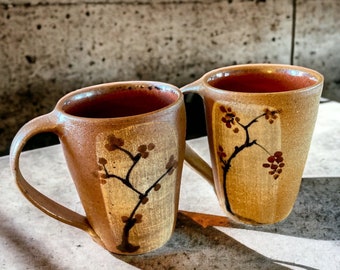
(221, 153)
(229, 118)
(170, 166)
(270, 115)
(144, 149)
(275, 163)
(114, 143)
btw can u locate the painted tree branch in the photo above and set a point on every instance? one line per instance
(133, 218)
(233, 122)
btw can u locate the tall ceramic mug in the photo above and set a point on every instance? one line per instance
(124, 146)
(260, 119)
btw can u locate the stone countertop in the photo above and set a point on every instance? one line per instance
(308, 239)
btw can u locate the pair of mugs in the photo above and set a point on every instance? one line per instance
(124, 143)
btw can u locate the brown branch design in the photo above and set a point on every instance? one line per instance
(143, 151)
(232, 121)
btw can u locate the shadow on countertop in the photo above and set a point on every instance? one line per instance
(195, 247)
(316, 213)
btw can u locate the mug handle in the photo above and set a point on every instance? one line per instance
(42, 124)
(194, 160)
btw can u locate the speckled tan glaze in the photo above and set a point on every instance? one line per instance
(250, 190)
(107, 201)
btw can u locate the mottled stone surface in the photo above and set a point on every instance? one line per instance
(317, 41)
(49, 48)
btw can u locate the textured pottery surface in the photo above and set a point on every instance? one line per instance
(126, 169)
(259, 142)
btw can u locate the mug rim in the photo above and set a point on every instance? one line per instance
(319, 78)
(108, 87)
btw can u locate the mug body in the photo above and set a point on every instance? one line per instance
(260, 119)
(124, 145)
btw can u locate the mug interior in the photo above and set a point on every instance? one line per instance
(263, 78)
(120, 100)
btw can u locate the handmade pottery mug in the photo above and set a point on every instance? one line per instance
(124, 146)
(260, 119)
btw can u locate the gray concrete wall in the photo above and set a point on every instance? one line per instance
(48, 48)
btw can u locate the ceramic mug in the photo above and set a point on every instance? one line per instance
(124, 146)
(260, 119)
